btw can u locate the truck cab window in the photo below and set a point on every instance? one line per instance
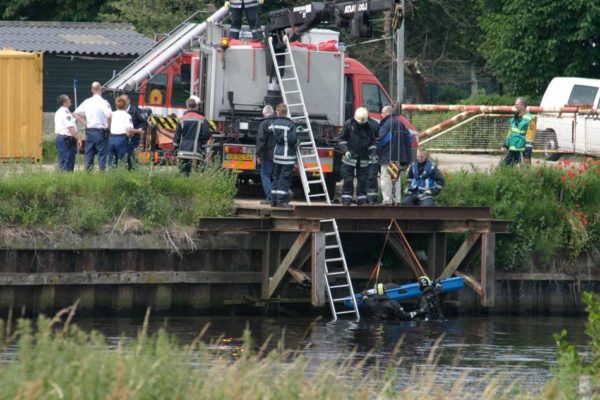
(373, 97)
(583, 95)
(349, 107)
(156, 90)
(180, 93)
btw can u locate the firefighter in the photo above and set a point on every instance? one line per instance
(424, 181)
(372, 181)
(250, 7)
(376, 304)
(519, 142)
(357, 145)
(284, 156)
(429, 303)
(67, 139)
(394, 148)
(95, 113)
(191, 135)
(265, 144)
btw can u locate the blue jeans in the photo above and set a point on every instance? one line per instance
(95, 143)
(67, 149)
(266, 172)
(118, 148)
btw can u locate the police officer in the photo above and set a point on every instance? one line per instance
(67, 139)
(265, 144)
(429, 304)
(140, 123)
(95, 113)
(237, 7)
(191, 134)
(424, 181)
(357, 144)
(284, 156)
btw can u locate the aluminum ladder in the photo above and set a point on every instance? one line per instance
(336, 268)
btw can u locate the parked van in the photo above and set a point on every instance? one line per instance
(580, 135)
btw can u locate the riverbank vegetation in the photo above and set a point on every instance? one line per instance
(53, 358)
(81, 202)
(555, 212)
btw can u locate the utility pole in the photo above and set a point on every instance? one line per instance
(400, 60)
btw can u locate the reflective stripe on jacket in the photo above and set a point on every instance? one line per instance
(286, 139)
(425, 177)
(515, 141)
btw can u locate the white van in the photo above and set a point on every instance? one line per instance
(579, 135)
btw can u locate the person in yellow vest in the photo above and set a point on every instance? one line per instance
(519, 142)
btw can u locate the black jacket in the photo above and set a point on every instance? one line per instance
(429, 304)
(398, 149)
(137, 119)
(286, 139)
(265, 139)
(191, 135)
(359, 140)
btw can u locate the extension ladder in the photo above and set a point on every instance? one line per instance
(336, 268)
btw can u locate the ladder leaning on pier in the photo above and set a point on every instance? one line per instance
(336, 268)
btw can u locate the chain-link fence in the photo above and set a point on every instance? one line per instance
(466, 130)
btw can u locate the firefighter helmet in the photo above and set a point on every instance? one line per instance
(361, 115)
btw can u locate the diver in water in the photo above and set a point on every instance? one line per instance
(429, 303)
(379, 306)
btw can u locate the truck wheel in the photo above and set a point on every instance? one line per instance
(550, 143)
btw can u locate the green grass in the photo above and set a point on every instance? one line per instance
(31, 197)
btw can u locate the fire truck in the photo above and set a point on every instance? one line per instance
(234, 79)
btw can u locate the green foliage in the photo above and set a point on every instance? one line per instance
(484, 99)
(551, 208)
(51, 10)
(527, 43)
(84, 202)
(49, 152)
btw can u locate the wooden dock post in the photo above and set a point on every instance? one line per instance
(436, 254)
(488, 269)
(317, 269)
(271, 258)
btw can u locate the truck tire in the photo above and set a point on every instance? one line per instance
(550, 142)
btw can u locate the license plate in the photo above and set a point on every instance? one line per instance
(239, 157)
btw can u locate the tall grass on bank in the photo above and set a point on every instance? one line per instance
(555, 211)
(52, 359)
(96, 202)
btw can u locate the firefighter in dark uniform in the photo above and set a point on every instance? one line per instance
(191, 135)
(379, 306)
(429, 304)
(140, 121)
(424, 181)
(357, 144)
(237, 7)
(284, 156)
(372, 181)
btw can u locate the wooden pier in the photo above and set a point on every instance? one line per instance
(308, 245)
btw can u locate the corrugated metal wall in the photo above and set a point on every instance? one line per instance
(60, 71)
(20, 105)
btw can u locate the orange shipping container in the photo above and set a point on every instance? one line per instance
(20, 105)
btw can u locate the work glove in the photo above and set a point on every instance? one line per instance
(412, 314)
(428, 192)
(227, 4)
(373, 159)
(348, 156)
(261, 2)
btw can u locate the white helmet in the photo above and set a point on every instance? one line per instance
(361, 115)
(195, 98)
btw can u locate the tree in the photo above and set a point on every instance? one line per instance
(528, 43)
(51, 10)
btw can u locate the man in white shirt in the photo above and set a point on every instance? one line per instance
(67, 139)
(95, 113)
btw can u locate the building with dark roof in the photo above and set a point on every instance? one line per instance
(75, 53)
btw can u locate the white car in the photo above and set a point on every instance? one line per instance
(580, 135)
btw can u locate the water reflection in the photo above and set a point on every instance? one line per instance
(516, 347)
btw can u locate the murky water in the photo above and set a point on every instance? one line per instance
(520, 348)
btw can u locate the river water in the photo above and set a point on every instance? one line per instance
(517, 348)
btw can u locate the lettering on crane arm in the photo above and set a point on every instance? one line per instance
(307, 9)
(352, 8)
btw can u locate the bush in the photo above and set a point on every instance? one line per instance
(483, 99)
(552, 209)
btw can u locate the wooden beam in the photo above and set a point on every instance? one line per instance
(271, 258)
(472, 282)
(488, 269)
(287, 262)
(460, 255)
(436, 253)
(126, 278)
(401, 252)
(317, 270)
